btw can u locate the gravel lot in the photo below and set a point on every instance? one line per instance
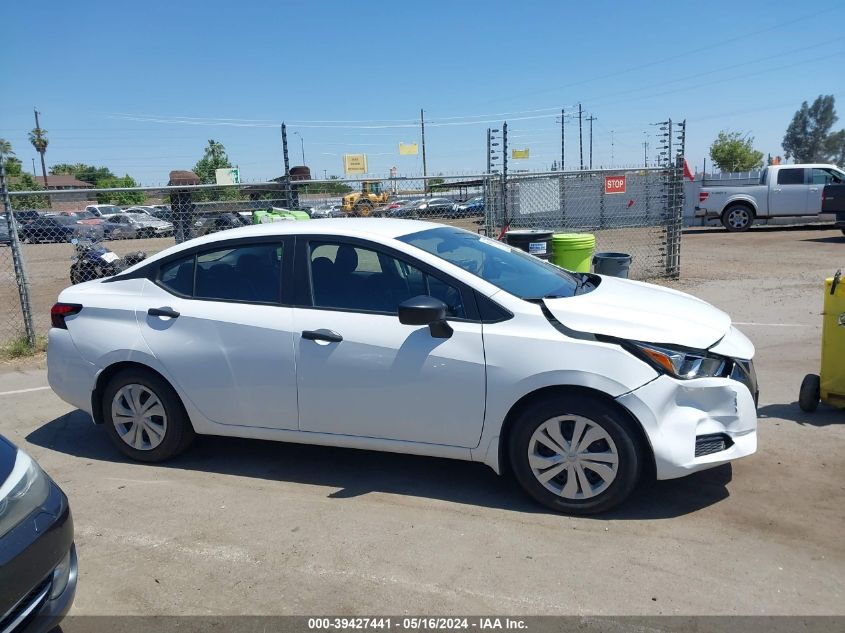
(237, 526)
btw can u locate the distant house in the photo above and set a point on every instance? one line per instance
(63, 182)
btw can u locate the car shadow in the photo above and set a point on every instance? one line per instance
(833, 239)
(357, 472)
(764, 228)
(791, 412)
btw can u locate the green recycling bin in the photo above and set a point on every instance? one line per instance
(573, 251)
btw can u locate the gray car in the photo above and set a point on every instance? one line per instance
(135, 225)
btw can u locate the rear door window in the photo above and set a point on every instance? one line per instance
(244, 273)
(794, 176)
(250, 273)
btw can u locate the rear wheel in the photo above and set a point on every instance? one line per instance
(737, 218)
(576, 455)
(808, 396)
(144, 417)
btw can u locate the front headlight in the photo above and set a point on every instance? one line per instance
(682, 363)
(25, 489)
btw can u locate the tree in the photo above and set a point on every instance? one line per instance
(835, 146)
(13, 165)
(213, 158)
(38, 138)
(731, 151)
(25, 182)
(124, 198)
(806, 137)
(83, 172)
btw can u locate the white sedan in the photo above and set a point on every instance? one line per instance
(410, 337)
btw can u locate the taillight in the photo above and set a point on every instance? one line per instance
(61, 310)
(702, 195)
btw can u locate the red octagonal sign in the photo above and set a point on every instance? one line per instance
(614, 184)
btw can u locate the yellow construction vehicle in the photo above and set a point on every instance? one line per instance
(361, 204)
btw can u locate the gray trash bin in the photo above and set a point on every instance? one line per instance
(612, 264)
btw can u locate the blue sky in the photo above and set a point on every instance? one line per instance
(140, 87)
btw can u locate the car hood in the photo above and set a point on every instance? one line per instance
(638, 311)
(152, 223)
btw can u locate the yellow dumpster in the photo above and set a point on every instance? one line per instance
(829, 385)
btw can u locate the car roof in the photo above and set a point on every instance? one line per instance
(377, 229)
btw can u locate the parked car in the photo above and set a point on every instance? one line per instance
(327, 211)
(135, 225)
(410, 337)
(58, 228)
(145, 209)
(783, 191)
(39, 570)
(213, 223)
(435, 207)
(83, 217)
(101, 210)
(833, 201)
(23, 216)
(5, 236)
(162, 212)
(469, 208)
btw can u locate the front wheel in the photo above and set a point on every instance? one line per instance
(575, 455)
(737, 218)
(144, 416)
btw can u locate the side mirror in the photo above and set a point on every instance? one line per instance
(426, 310)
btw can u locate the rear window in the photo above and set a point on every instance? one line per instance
(791, 176)
(178, 276)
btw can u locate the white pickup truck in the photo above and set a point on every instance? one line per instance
(783, 190)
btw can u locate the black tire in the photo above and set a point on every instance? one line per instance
(738, 218)
(75, 275)
(362, 210)
(808, 396)
(600, 414)
(178, 432)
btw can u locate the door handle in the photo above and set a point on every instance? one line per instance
(163, 312)
(322, 335)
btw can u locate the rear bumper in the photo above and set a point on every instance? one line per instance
(31, 567)
(70, 376)
(675, 413)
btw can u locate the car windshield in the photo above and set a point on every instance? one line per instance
(109, 208)
(507, 268)
(85, 215)
(137, 216)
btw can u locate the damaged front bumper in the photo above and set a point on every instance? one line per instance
(694, 424)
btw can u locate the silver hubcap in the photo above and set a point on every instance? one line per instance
(573, 457)
(738, 218)
(139, 417)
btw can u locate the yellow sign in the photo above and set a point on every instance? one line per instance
(354, 163)
(519, 153)
(408, 149)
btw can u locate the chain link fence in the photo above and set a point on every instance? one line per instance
(58, 238)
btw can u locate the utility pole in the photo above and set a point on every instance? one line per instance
(612, 161)
(488, 151)
(591, 118)
(33, 167)
(562, 139)
(645, 149)
(288, 190)
(425, 168)
(505, 173)
(580, 137)
(41, 152)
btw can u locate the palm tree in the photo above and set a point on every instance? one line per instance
(6, 148)
(38, 138)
